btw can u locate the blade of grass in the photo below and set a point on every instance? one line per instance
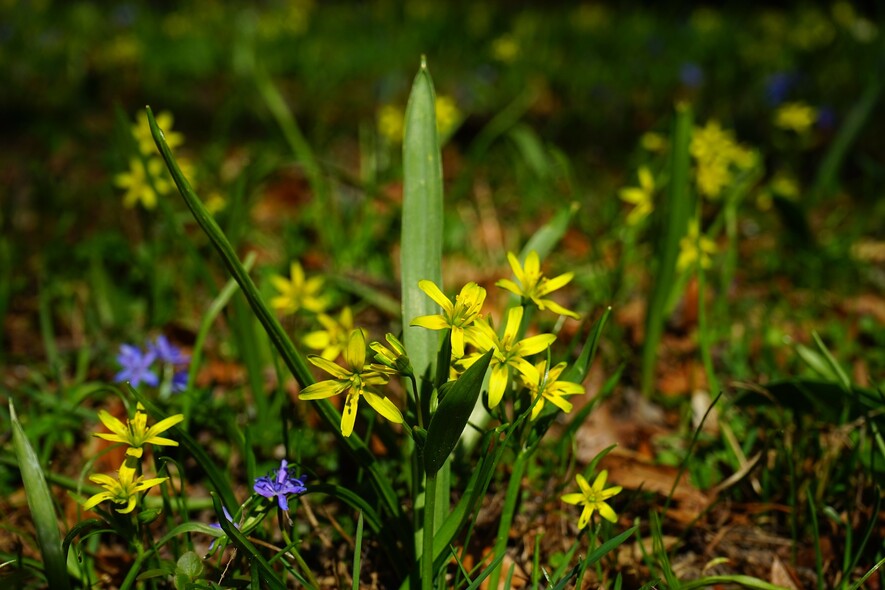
(293, 359)
(357, 549)
(41, 506)
(672, 225)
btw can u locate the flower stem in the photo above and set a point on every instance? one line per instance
(513, 489)
(427, 573)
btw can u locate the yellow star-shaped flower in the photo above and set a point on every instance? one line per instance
(356, 379)
(593, 498)
(296, 292)
(122, 490)
(640, 196)
(135, 432)
(549, 388)
(534, 286)
(456, 316)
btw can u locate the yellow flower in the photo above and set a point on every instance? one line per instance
(297, 293)
(142, 133)
(333, 338)
(135, 432)
(593, 498)
(653, 142)
(549, 388)
(391, 123)
(712, 176)
(356, 379)
(505, 49)
(715, 152)
(138, 186)
(640, 196)
(784, 185)
(694, 247)
(456, 316)
(447, 115)
(534, 286)
(121, 490)
(795, 116)
(509, 352)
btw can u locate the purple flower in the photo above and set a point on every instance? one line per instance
(777, 87)
(179, 381)
(136, 366)
(216, 525)
(167, 352)
(691, 74)
(280, 484)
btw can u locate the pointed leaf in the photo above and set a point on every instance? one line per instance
(451, 416)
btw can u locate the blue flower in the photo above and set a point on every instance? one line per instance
(179, 381)
(279, 485)
(778, 86)
(136, 366)
(216, 525)
(691, 74)
(167, 352)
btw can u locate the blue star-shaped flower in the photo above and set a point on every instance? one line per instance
(280, 485)
(136, 366)
(167, 352)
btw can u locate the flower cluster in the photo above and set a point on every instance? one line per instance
(129, 482)
(695, 249)
(717, 156)
(137, 364)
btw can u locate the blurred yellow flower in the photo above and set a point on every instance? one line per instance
(795, 116)
(332, 339)
(298, 293)
(640, 196)
(653, 142)
(593, 498)
(142, 133)
(784, 185)
(505, 48)
(695, 248)
(447, 115)
(716, 152)
(139, 188)
(391, 123)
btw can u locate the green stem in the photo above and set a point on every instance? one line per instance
(510, 499)
(427, 573)
(293, 551)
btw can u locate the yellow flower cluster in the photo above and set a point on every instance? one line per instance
(124, 488)
(717, 155)
(795, 116)
(695, 249)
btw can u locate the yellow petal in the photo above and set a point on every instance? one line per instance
(517, 268)
(574, 498)
(535, 344)
(431, 322)
(164, 424)
(510, 286)
(457, 342)
(348, 416)
(497, 384)
(585, 516)
(434, 293)
(96, 500)
(606, 512)
(322, 390)
(329, 367)
(511, 328)
(355, 353)
(113, 424)
(383, 406)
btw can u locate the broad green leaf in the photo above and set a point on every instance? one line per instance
(422, 223)
(451, 416)
(41, 506)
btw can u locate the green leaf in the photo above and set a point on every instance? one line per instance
(422, 223)
(293, 359)
(578, 371)
(357, 550)
(672, 222)
(548, 235)
(41, 506)
(451, 416)
(246, 546)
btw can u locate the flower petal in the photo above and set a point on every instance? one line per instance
(383, 406)
(355, 353)
(497, 384)
(164, 425)
(322, 390)
(557, 308)
(329, 367)
(585, 515)
(431, 322)
(511, 328)
(438, 296)
(457, 341)
(573, 498)
(348, 416)
(606, 512)
(535, 344)
(96, 500)
(509, 285)
(113, 424)
(517, 268)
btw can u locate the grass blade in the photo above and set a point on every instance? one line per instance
(293, 359)
(357, 550)
(41, 506)
(672, 225)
